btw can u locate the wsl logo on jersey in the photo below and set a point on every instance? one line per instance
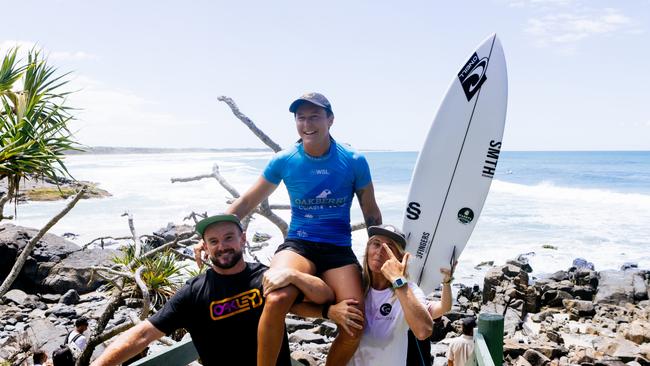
(472, 75)
(230, 306)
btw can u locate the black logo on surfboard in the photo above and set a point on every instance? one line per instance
(465, 215)
(472, 75)
(413, 211)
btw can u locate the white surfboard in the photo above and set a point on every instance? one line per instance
(456, 165)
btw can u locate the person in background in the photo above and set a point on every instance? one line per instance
(40, 358)
(461, 349)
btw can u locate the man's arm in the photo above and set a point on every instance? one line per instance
(129, 344)
(369, 208)
(260, 190)
(314, 288)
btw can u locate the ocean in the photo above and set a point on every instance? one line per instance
(592, 205)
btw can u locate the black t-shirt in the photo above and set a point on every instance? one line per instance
(221, 312)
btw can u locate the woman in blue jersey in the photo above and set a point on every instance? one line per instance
(322, 177)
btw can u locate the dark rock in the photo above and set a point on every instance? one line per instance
(70, 298)
(583, 292)
(73, 272)
(585, 277)
(48, 250)
(615, 287)
(580, 263)
(62, 311)
(640, 290)
(554, 298)
(51, 298)
(441, 327)
(16, 296)
(491, 280)
(522, 263)
(559, 276)
(169, 233)
(535, 358)
(304, 358)
(629, 265)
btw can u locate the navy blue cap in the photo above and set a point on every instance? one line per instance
(313, 98)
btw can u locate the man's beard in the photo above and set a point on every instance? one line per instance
(229, 262)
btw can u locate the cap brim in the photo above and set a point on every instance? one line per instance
(203, 224)
(374, 230)
(296, 103)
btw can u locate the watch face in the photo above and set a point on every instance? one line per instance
(399, 282)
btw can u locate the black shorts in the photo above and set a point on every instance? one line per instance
(324, 256)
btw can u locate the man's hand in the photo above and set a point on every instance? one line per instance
(393, 268)
(199, 254)
(277, 278)
(347, 315)
(448, 273)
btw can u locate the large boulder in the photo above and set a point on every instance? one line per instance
(50, 250)
(616, 287)
(73, 272)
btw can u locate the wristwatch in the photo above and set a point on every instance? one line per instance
(399, 282)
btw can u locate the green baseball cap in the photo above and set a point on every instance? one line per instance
(203, 224)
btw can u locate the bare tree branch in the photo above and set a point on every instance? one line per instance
(27, 250)
(249, 123)
(146, 298)
(136, 239)
(96, 336)
(104, 238)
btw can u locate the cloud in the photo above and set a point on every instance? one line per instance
(25, 46)
(119, 116)
(66, 56)
(569, 28)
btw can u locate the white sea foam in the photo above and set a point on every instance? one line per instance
(602, 226)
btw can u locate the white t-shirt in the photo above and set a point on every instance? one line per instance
(385, 335)
(78, 345)
(461, 350)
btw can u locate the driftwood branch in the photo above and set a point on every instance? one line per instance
(136, 239)
(101, 239)
(22, 258)
(264, 209)
(97, 335)
(249, 123)
(146, 298)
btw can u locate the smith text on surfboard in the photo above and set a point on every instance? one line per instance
(491, 159)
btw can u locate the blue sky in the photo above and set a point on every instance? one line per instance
(149, 72)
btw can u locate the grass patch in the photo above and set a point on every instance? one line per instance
(49, 193)
(549, 246)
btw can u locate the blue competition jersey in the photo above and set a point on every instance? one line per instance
(321, 190)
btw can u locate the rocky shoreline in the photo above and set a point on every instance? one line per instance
(575, 317)
(48, 190)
